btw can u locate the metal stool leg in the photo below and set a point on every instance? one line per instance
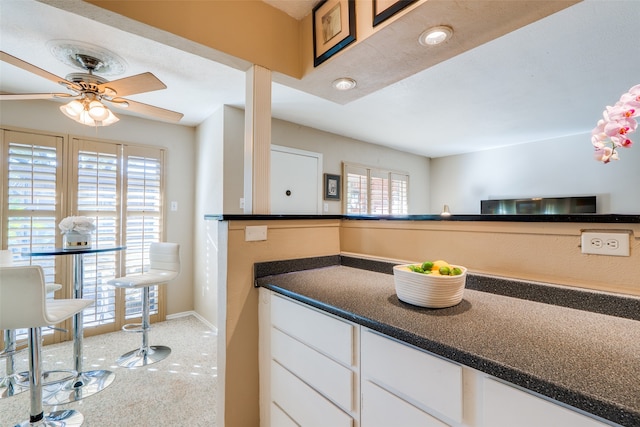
(145, 355)
(37, 417)
(12, 383)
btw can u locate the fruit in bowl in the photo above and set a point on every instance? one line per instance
(433, 284)
(439, 267)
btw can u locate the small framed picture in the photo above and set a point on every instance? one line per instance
(385, 9)
(334, 27)
(331, 187)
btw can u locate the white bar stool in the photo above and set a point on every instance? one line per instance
(14, 383)
(164, 265)
(24, 304)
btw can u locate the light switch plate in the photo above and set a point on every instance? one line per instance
(254, 233)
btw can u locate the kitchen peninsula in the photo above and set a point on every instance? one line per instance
(575, 356)
(545, 250)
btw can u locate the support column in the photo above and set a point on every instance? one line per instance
(257, 142)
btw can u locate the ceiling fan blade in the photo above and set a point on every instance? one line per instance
(145, 82)
(149, 110)
(4, 56)
(27, 96)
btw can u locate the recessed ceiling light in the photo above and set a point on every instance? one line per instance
(435, 35)
(344, 83)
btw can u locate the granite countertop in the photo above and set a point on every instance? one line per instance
(576, 218)
(585, 359)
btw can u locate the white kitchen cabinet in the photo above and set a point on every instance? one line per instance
(327, 376)
(280, 418)
(303, 404)
(507, 406)
(319, 370)
(321, 331)
(308, 364)
(420, 378)
(381, 408)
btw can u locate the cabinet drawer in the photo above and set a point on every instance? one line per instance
(327, 334)
(279, 418)
(302, 404)
(325, 375)
(421, 378)
(383, 409)
(506, 406)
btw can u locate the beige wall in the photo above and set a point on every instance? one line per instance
(285, 240)
(179, 183)
(544, 252)
(250, 30)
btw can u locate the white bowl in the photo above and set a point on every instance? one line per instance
(428, 290)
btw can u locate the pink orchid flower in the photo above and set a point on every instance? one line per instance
(605, 154)
(618, 122)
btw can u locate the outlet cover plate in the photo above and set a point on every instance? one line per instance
(254, 233)
(603, 243)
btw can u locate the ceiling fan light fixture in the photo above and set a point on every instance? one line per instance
(97, 111)
(89, 113)
(435, 35)
(72, 109)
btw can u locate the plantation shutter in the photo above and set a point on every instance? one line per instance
(379, 190)
(31, 209)
(375, 191)
(143, 212)
(356, 193)
(97, 178)
(399, 185)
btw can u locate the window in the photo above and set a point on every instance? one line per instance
(375, 191)
(31, 179)
(45, 179)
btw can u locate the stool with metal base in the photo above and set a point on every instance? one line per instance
(23, 304)
(14, 382)
(164, 265)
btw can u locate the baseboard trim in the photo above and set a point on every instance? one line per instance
(194, 314)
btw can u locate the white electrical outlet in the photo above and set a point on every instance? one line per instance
(615, 244)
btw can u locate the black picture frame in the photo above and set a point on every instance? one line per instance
(385, 9)
(334, 27)
(332, 187)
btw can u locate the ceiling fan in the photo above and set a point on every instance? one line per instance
(91, 91)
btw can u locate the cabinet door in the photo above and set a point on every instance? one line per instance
(322, 373)
(506, 406)
(426, 380)
(320, 331)
(383, 409)
(279, 418)
(303, 404)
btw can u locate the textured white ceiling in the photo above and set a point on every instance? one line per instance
(551, 78)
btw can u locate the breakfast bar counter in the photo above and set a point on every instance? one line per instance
(580, 348)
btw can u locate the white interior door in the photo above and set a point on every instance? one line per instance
(296, 181)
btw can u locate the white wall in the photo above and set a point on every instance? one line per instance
(558, 167)
(179, 184)
(209, 185)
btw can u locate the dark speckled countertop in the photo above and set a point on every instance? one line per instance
(577, 353)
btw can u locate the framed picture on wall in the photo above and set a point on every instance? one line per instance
(384, 9)
(334, 27)
(331, 187)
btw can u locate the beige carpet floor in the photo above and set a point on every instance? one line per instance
(177, 391)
